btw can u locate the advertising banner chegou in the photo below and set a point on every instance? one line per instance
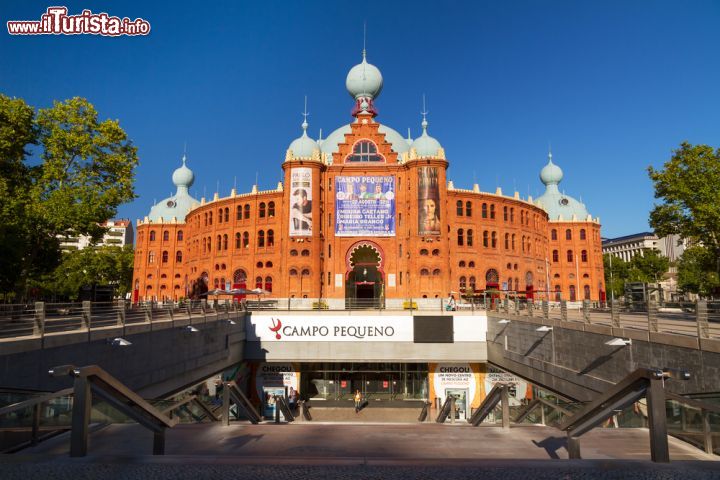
(301, 202)
(428, 201)
(365, 206)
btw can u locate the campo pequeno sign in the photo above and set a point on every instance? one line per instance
(294, 328)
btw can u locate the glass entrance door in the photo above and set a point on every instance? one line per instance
(460, 402)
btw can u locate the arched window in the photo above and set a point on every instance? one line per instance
(522, 246)
(209, 239)
(512, 214)
(246, 211)
(293, 253)
(258, 282)
(237, 240)
(468, 209)
(583, 256)
(220, 215)
(165, 256)
(472, 284)
(582, 235)
(424, 272)
(268, 264)
(528, 279)
(204, 245)
(492, 211)
(493, 243)
(461, 264)
(364, 151)
(209, 218)
(259, 265)
(463, 283)
(492, 277)
(553, 234)
(219, 243)
(179, 235)
(239, 277)
(568, 234)
(305, 253)
(558, 293)
(569, 255)
(238, 212)
(469, 237)
(586, 292)
(225, 242)
(436, 272)
(486, 239)
(270, 238)
(471, 264)
(505, 213)
(507, 241)
(178, 257)
(459, 208)
(423, 252)
(227, 214)
(268, 284)
(166, 236)
(271, 209)
(573, 295)
(261, 210)
(483, 210)
(293, 272)
(555, 256)
(460, 234)
(151, 257)
(261, 238)
(152, 235)
(436, 253)
(246, 240)
(206, 219)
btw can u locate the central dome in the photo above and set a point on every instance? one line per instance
(364, 80)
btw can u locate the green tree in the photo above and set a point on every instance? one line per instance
(696, 273)
(648, 267)
(689, 187)
(105, 265)
(615, 275)
(85, 172)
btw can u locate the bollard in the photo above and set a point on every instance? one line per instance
(701, 316)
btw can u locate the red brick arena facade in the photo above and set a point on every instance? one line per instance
(366, 214)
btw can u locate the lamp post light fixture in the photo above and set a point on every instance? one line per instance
(544, 328)
(618, 342)
(504, 321)
(191, 329)
(119, 342)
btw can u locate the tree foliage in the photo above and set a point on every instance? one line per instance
(689, 187)
(696, 271)
(648, 267)
(62, 171)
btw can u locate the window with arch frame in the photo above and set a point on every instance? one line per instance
(261, 210)
(459, 208)
(271, 209)
(364, 151)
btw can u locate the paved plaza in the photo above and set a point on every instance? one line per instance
(358, 451)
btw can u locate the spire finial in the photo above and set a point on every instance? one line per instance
(320, 135)
(409, 137)
(549, 153)
(305, 115)
(424, 114)
(184, 157)
(364, 38)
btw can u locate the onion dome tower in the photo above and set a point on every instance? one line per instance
(558, 205)
(179, 204)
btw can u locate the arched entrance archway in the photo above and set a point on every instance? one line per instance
(364, 276)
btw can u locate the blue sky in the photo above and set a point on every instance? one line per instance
(614, 86)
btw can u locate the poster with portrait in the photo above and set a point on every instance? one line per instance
(301, 202)
(365, 206)
(428, 201)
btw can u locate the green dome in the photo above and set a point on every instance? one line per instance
(304, 146)
(425, 145)
(558, 205)
(178, 205)
(364, 80)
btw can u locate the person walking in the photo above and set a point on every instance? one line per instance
(358, 401)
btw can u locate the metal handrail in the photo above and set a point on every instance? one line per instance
(445, 410)
(643, 382)
(539, 401)
(191, 399)
(282, 406)
(705, 410)
(498, 394)
(91, 380)
(31, 402)
(232, 392)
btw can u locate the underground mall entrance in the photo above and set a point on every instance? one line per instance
(377, 382)
(364, 286)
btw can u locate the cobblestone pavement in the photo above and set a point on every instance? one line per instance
(487, 470)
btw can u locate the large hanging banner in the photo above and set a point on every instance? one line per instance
(365, 206)
(301, 202)
(428, 201)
